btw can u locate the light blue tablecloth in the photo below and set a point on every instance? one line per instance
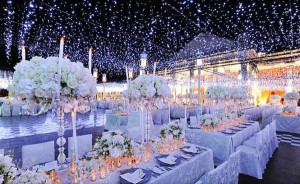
(287, 123)
(221, 144)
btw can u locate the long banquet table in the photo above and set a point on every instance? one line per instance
(221, 144)
(186, 172)
(289, 124)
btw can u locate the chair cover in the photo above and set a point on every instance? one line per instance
(217, 175)
(274, 141)
(84, 144)
(112, 122)
(1, 151)
(233, 168)
(255, 141)
(16, 110)
(265, 148)
(183, 121)
(37, 153)
(108, 112)
(193, 121)
(156, 116)
(250, 162)
(6, 109)
(165, 116)
(134, 125)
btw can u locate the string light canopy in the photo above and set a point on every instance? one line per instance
(120, 30)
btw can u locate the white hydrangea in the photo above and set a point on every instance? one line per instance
(35, 80)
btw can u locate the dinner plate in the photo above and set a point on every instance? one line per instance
(187, 147)
(177, 161)
(145, 179)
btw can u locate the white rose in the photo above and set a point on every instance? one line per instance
(72, 81)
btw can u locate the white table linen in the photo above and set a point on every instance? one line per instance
(289, 124)
(221, 144)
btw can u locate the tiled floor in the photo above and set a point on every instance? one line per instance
(284, 166)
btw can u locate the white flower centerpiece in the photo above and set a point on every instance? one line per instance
(33, 177)
(147, 93)
(147, 90)
(226, 116)
(292, 99)
(35, 82)
(7, 170)
(209, 120)
(174, 130)
(275, 99)
(38, 82)
(114, 144)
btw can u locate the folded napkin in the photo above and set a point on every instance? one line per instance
(91, 154)
(168, 160)
(134, 177)
(49, 166)
(191, 149)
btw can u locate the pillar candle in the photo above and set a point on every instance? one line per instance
(90, 60)
(23, 53)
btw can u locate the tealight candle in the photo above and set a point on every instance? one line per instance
(93, 175)
(102, 172)
(52, 175)
(129, 161)
(119, 161)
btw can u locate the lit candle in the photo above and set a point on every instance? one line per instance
(75, 145)
(93, 175)
(102, 172)
(165, 74)
(90, 59)
(127, 75)
(119, 161)
(60, 57)
(23, 53)
(52, 175)
(154, 68)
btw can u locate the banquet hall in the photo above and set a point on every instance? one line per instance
(158, 92)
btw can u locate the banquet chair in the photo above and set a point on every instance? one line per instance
(193, 121)
(266, 146)
(1, 151)
(233, 168)
(273, 136)
(183, 121)
(252, 153)
(37, 153)
(84, 144)
(107, 111)
(217, 175)
(113, 122)
(6, 109)
(134, 125)
(16, 110)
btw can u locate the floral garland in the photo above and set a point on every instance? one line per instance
(35, 82)
(7, 170)
(114, 144)
(173, 130)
